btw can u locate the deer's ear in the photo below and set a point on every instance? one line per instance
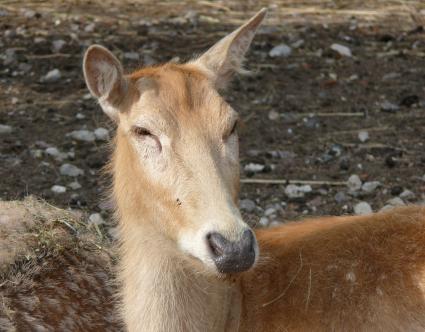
(105, 79)
(225, 58)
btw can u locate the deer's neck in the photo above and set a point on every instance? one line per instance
(162, 292)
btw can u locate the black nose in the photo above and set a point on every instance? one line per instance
(231, 257)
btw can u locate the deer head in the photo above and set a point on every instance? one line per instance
(175, 165)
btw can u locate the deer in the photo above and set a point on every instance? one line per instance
(188, 261)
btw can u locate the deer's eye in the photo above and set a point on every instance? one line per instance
(141, 132)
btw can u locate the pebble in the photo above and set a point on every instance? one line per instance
(340, 197)
(363, 136)
(407, 195)
(58, 189)
(254, 168)
(386, 208)
(354, 183)
(396, 201)
(55, 153)
(57, 45)
(270, 211)
(36, 153)
(362, 208)
(132, 55)
(52, 76)
(101, 134)
(341, 49)
(96, 219)
(298, 43)
(294, 191)
(370, 186)
(74, 185)
(264, 221)
(389, 107)
(89, 27)
(9, 56)
(83, 135)
(70, 170)
(390, 76)
(5, 129)
(281, 50)
(273, 115)
(247, 205)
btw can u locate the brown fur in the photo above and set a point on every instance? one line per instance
(54, 279)
(363, 273)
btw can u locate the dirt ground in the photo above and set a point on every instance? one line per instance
(302, 112)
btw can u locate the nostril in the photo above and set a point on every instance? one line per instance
(217, 243)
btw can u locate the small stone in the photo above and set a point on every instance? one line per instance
(247, 205)
(52, 151)
(386, 208)
(340, 197)
(132, 56)
(80, 116)
(57, 45)
(264, 221)
(28, 13)
(396, 201)
(89, 27)
(362, 208)
(354, 183)
(55, 153)
(83, 135)
(5, 129)
(341, 50)
(389, 107)
(273, 115)
(390, 76)
(298, 43)
(294, 191)
(75, 185)
(96, 219)
(363, 136)
(9, 56)
(407, 195)
(70, 170)
(254, 168)
(270, 211)
(58, 189)
(36, 153)
(370, 186)
(52, 76)
(281, 50)
(101, 134)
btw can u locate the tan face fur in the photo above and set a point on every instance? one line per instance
(176, 158)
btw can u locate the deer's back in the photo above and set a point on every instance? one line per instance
(53, 277)
(340, 274)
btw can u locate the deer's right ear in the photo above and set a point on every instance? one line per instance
(105, 79)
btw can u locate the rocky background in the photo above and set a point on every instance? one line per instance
(333, 110)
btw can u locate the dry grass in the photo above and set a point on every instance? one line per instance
(32, 229)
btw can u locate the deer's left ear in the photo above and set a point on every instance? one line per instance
(225, 58)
